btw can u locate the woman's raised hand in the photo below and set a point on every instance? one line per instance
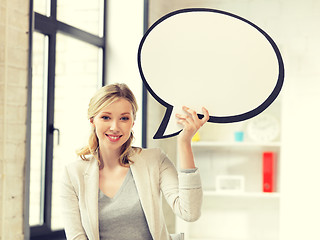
(191, 123)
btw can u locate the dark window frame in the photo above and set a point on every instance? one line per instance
(144, 89)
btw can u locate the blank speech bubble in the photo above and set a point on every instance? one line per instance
(205, 57)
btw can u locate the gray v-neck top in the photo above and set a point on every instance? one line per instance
(122, 216)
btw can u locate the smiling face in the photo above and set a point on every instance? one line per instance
(113, 124)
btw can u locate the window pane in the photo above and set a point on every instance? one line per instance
(83, 14)
(78, 76)
(42, 7)
(38, 127)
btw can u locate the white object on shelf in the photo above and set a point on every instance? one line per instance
(230, 183)
(264, 127)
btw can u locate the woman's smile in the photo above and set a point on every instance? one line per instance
(113, 138)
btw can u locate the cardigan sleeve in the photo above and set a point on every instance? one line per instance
(182, 190)
(70, 209)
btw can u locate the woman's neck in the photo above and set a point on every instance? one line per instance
(109, 158)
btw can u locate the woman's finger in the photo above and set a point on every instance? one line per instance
(198, 122)
(205, 116)
(185, 120)
(191, 119)
(191, 112)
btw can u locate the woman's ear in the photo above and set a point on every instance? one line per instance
(91, 121)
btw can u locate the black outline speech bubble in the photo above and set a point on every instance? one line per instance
(215, 119)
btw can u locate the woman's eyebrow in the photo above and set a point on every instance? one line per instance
(125, 113)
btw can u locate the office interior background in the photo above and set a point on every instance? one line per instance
(74, 47)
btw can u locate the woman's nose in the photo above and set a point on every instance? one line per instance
(114, 125)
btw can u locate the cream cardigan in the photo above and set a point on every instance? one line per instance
(154, 174)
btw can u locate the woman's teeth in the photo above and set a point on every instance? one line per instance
(114, 137)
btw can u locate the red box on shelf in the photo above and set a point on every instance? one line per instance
(268, 171)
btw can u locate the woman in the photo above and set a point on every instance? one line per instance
(114, 191)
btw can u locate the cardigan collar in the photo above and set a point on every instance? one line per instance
(141, 176)
(91, 184)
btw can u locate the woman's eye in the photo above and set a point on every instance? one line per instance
(105, 118)
(124, 118)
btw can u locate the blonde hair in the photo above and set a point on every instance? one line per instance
(104, 97)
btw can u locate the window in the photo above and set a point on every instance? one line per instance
(38, 130)
(68, 55)
(77, 72)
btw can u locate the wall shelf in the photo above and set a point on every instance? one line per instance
(224, 144)
(208, 193)
(240, 209)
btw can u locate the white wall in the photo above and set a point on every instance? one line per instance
(14, 27)
(301, 117)
(124, 32)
